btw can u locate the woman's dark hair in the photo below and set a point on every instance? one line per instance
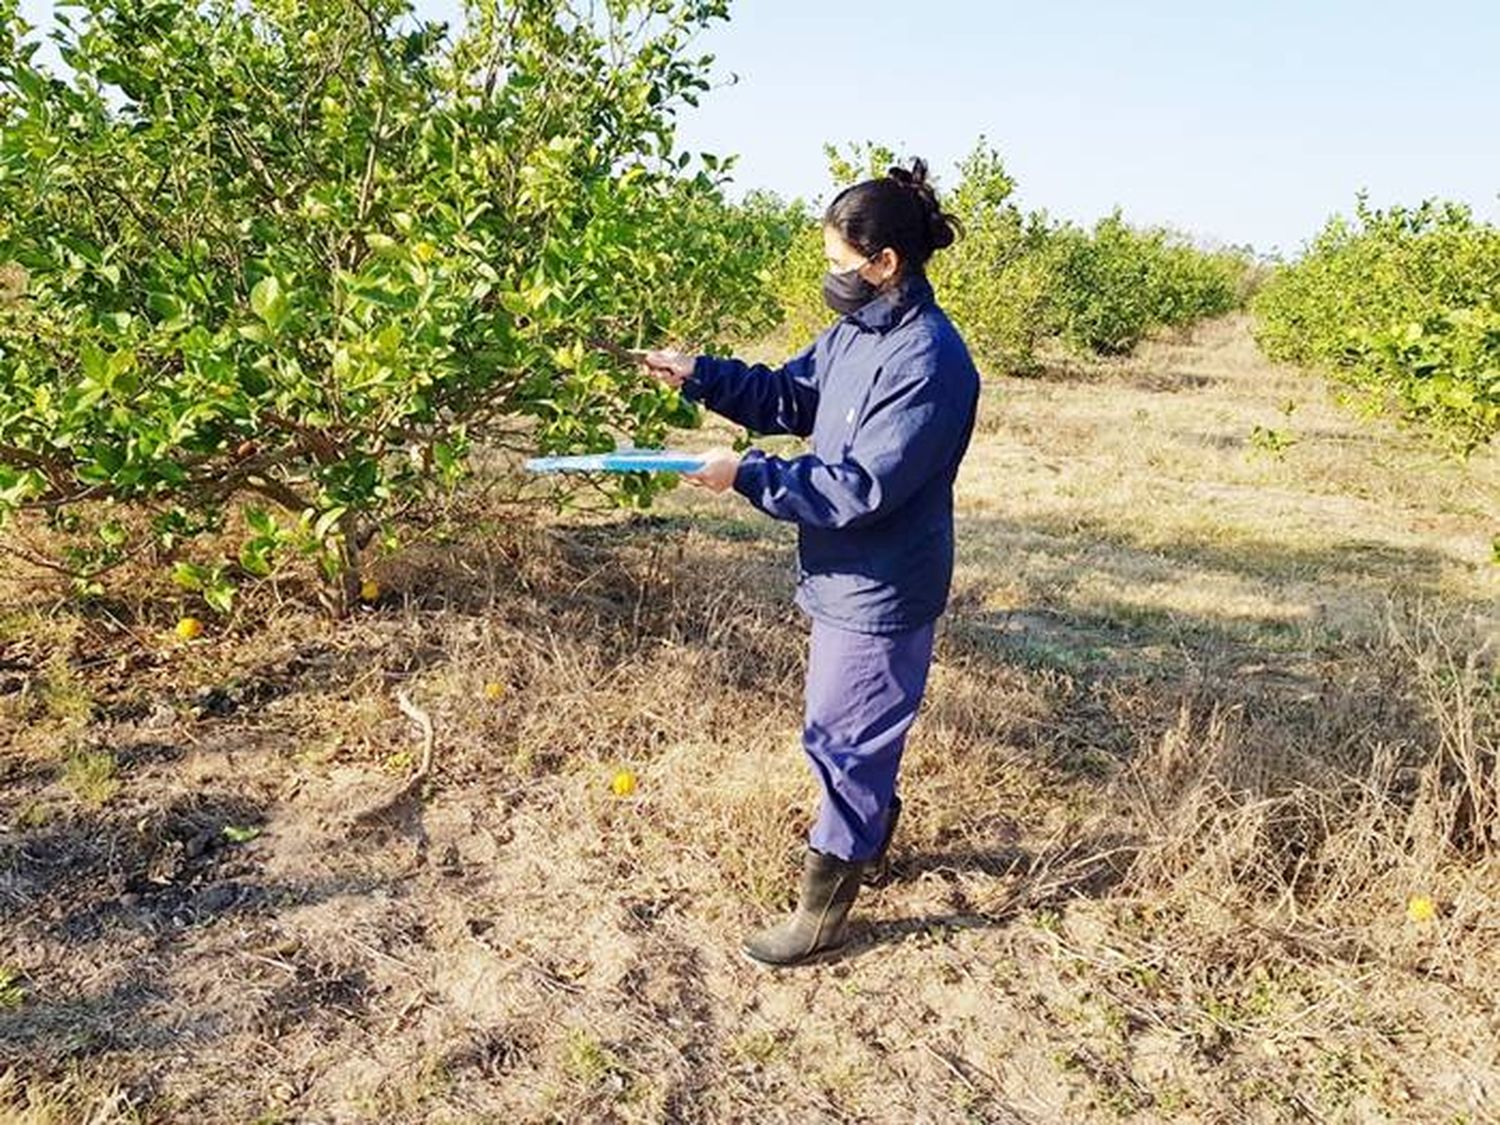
(899, 210)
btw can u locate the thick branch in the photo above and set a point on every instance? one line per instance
(317, 442)
(15, 455)
(280, 492)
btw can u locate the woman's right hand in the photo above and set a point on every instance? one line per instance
(672, 368)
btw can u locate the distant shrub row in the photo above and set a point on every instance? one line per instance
(1403, 305)
(1018, 278)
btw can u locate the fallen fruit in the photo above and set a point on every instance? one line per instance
(189, 628)
(494, 691)
(1420, 908)
(369, 590)
(623, 784)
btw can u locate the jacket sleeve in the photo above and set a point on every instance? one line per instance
(768, 400)
(910, 433)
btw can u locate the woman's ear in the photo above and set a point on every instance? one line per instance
(887, 264)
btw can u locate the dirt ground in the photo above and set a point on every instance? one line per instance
(1202, 813)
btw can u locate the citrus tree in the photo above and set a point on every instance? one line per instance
(1403, 305)
(1114, 284)
(276, 267)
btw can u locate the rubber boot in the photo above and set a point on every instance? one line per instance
(819, 923)
(878, 866)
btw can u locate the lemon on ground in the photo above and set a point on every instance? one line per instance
(189, 628)
(369, 590)
(494, 691)
(1420, 908)
(623, 784)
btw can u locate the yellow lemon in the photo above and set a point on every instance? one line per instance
(188, 628)
(369, 590)
(623, 784)
(1420, 908)
(494, 691)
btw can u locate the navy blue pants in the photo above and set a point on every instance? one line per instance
(863, 692)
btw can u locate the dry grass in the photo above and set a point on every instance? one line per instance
(1203, 720)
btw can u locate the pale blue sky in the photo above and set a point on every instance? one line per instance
(1235, 121)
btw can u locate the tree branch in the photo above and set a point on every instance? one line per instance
(15, 455)
(323, 448)
(279, 491)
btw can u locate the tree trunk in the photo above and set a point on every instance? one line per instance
(350, 579)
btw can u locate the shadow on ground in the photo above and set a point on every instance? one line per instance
(1116, 677)
(131, 891)
(156, 873)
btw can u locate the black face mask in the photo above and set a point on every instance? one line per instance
(846, 292)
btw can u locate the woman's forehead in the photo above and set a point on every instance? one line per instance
(836, 248)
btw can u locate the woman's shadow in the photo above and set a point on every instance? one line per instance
(1049, 877)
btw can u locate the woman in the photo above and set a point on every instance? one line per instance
(887, 396)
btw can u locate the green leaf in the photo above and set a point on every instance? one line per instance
(266, 292)
(31, 82)
(260, 521)
(190, 576)
(91, 359)
(255, 558)
(385, 298)
(327, 521)
(220, 595)
(237, 835)
(120, 374)
(269, 303)
(84, 249)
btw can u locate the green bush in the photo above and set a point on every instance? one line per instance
(306, 256)
(1403, 305)
(1113, 285)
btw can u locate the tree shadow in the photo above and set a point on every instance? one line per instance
(1174, 381)
(147, 885)
(1377, 566)
(46, 871)
(141, 1011)
(1112, 678)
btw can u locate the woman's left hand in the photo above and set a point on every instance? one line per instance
(719, 468)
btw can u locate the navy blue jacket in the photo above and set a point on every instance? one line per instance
(887, 396)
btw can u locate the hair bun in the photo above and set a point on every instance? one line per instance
(942, 229)
(914, 178)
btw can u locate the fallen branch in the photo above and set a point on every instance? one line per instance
(424, 724)
(410, 790)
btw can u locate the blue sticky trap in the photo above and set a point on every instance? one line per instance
(621, 461)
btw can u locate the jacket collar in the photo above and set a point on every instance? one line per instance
(888, 309)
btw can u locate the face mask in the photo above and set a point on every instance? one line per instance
(846, 292)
